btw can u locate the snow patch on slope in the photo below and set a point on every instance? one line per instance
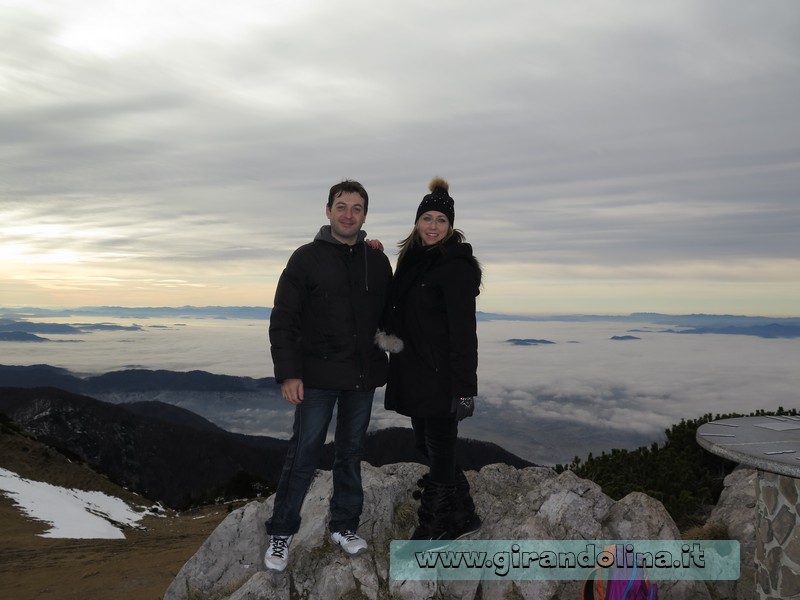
(74, 514)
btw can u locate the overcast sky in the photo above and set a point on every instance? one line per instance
(604, 156)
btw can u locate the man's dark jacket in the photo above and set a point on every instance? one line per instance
(328, 304)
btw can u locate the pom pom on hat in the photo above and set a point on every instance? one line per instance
(438, 200)
(438, 182)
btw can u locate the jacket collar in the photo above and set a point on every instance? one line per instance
(324, 235)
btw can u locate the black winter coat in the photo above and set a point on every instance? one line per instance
(433, 312)
(328, 304)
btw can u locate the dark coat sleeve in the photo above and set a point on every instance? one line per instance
(285, 325)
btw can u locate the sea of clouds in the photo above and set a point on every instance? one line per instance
(585, 392)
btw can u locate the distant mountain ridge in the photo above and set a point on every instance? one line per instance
(20, 336)
(769, 331)
(128, 380)
(264, 312)
(16, 326)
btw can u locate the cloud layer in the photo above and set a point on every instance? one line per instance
(583, 393)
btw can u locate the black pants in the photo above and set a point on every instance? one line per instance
(436, 439)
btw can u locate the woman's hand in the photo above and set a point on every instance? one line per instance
(374, 244)
(463, 407)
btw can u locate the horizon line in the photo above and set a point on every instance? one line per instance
(529, 315)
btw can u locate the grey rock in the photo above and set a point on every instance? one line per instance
(530, 503)
(736, 510)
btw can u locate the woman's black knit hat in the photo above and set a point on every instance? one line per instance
(438, 199)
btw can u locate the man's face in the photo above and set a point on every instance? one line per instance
(346, 215)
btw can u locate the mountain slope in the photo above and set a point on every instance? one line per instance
(31, 459)
(397, 445)
(174, 456)
(178, 462)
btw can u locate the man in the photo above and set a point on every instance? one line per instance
(327, 306)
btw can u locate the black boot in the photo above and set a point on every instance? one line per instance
(436, 506)
(464, 520)
(454, 513)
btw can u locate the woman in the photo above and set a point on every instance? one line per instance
(433, 379)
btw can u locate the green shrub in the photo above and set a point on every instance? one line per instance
(684, 477)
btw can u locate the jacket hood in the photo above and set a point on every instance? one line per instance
(462, 251)
(324, 235)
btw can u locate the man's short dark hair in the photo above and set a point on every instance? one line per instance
(348, 185)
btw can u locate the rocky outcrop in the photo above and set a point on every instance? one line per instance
(530, 503)
(736, 513)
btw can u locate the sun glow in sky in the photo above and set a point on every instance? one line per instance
(614, 157)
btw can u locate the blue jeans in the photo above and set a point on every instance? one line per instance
(311, 419)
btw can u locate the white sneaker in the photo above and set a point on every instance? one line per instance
(349, 541)
(277, 556)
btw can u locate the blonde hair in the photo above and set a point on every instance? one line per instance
(414, 239)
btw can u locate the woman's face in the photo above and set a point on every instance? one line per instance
(432, 227)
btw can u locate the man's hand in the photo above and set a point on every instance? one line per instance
(292, 390)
